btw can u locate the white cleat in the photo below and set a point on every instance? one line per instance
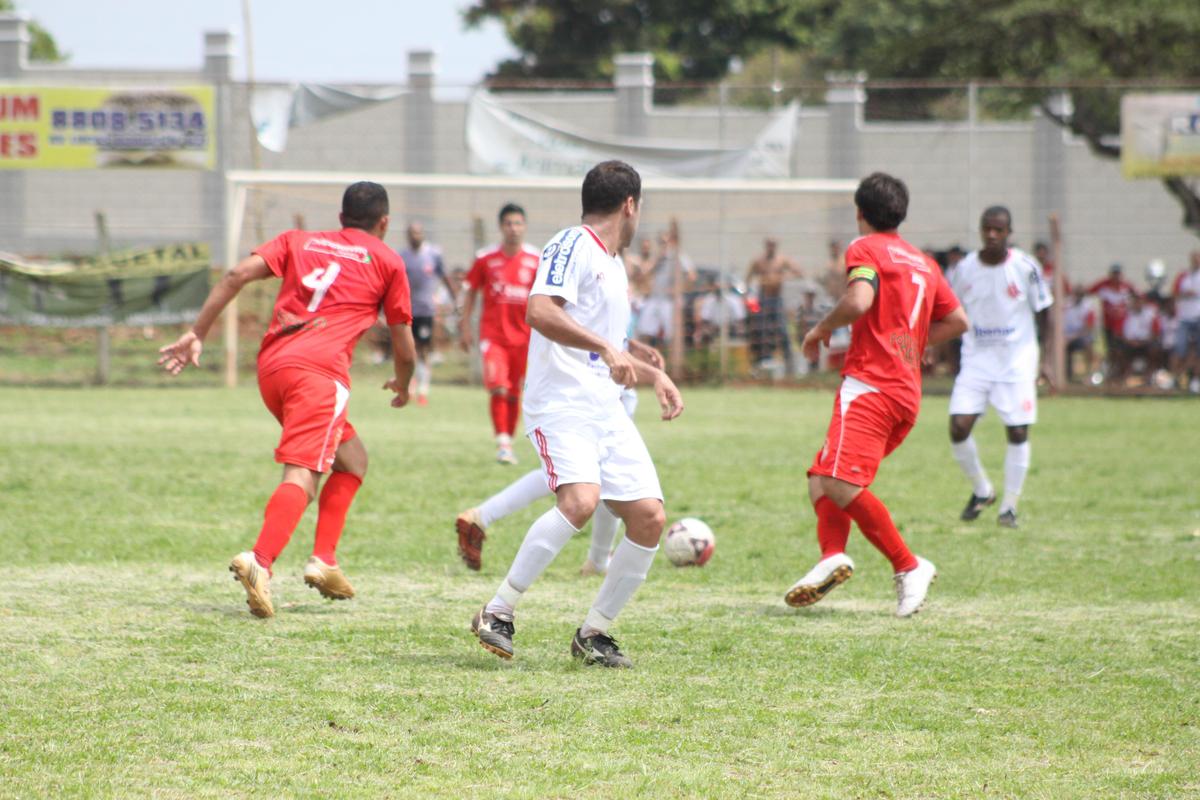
(912, 586)
(828, 574)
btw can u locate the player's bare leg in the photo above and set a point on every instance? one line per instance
(322, 571)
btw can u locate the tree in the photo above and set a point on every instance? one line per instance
(690, 39)
(1077, 45)
(42, 46)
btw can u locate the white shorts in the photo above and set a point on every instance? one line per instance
(610, 454)
(1015, 401)
(655, 319)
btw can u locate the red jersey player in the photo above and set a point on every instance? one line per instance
(898, 302)
(334, 284)
(503, 275)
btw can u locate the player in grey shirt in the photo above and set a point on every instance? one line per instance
(423, 261)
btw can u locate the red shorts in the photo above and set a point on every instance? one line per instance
(312, 410)
(866, 427)
(503, 366)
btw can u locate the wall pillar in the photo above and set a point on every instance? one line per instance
(634, 82)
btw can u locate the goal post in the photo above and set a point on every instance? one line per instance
(722, 221)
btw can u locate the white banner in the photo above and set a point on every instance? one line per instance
(276, 109)
(1160, 135)
(504, 141)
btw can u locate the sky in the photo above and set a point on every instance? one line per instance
(294, 40)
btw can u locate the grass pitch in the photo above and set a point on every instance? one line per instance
(1055, 661)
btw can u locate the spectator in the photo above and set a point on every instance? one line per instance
(710, 308)
(656, 322)
(834, 279)
(1114, 293)
(1187, 309)
(770, 270)
(812, 310)
(1041, 251)
(1141, 331)
(1079, 328)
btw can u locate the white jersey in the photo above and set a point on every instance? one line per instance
(566, 380)
(1001, 302)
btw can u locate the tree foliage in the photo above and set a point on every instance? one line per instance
(42, 46)
(690, 39)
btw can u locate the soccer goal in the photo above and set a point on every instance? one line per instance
(722, 222)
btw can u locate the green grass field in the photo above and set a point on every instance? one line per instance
(1056, 661)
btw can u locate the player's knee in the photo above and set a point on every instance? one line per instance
(577, 508)
(1018, 434)
(959, 430)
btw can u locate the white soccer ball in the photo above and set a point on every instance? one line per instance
(690, 543)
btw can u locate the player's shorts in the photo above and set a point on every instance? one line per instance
(609, 453)
(867, 425)
(629, 400)
(1015, 401)
(1188, 338)
(656, 318)
(311, 407)
(422, 328)
(503, 366)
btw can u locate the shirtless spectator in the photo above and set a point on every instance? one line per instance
(656, 322)
(769, 271)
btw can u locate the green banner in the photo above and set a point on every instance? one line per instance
(145, 286)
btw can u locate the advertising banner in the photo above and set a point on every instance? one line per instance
(1160, 135)
(60, 127)
(143, 286)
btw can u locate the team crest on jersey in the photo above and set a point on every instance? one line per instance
(1014, 291)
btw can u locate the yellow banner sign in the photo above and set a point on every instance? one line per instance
(55, 127)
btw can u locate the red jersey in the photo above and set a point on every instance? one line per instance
(886, 343)
(1114, 295)
(505, 282)
(334, 283)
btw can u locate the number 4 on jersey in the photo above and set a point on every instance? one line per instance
(319, 280)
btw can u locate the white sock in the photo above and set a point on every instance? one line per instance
(1016, 464)
(503, 440)
(512, 498)
(967, 456)
(626, 572)
(604, 530)
(423, 373)
(548, 534)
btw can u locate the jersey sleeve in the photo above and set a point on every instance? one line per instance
(397, 299)
(475, 277)
(1040, 296)
(276, 252)
(944, 299)
(560, 267)
(859, 254)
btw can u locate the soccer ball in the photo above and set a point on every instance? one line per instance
(689, 543)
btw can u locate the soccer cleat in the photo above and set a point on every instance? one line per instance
(912, 586)
(494, 631)
(470, 538)
(329, 580)
(591, 568)
(1007, 518)
(505, 454)
(599, 648)
(257, 582)
(827, 575)
(975, 506)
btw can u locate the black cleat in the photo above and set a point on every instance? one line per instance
(599, 649)
(975, 506)
(1007, 519)
(494, 631)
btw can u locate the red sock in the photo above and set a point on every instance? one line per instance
(514, 411)
(499, 412)
(876, 524)
(336, 497)
(833, 527)
(282, 514)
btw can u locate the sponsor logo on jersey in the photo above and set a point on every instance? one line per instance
(561, 256)
(326, 247)
(907, 257)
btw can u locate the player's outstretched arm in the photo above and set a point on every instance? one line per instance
(545, 315)
(949, 327)
(644, 352)
(857, 300)
(404, 360)
(669, 398)
(187, 348)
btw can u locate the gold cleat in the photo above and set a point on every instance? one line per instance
(257, 582)
(328, 580)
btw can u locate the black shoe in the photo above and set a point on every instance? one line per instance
(598, 649)
(976, 505)
(494, 631)
(1007, 518)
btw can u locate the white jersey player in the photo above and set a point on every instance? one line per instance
(589, 447)
(1002, 290)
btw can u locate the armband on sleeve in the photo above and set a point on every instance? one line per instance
(864, 273)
